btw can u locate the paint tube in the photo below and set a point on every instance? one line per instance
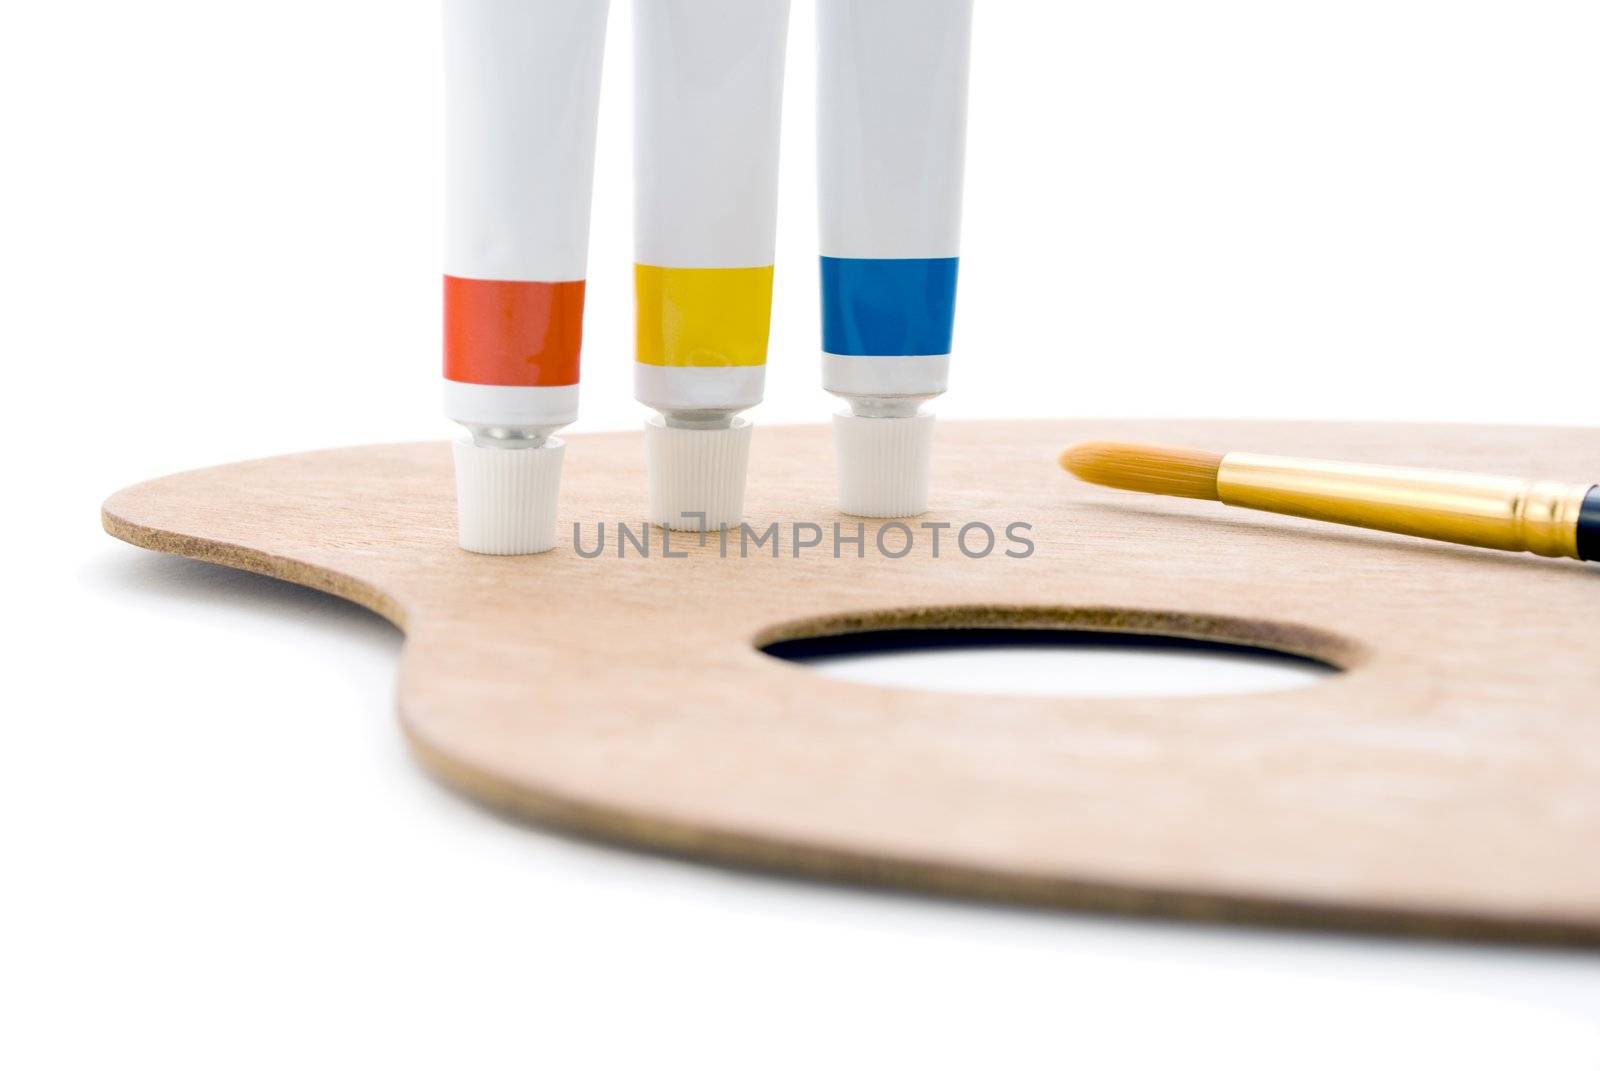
(708, 89)
(891, 132)
(522, 83)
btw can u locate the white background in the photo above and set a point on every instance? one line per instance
(219, 228)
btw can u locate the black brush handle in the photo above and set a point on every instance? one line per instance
(1589, 526)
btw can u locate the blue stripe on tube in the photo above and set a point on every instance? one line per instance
(888, 308)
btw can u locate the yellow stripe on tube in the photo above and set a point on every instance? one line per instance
(702, 317)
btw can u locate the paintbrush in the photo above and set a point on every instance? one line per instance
(1557, 520)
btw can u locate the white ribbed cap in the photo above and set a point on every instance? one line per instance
(506, 498)
(883, 463)
(696, 470)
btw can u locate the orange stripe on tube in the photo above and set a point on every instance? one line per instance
(512, 334)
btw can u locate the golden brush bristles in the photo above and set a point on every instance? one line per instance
(1155, 470)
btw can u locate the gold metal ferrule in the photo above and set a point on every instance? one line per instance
(1502, 512)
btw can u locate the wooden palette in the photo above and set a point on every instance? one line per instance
(1447, 782)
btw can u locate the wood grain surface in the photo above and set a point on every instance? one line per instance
(1448, 782)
